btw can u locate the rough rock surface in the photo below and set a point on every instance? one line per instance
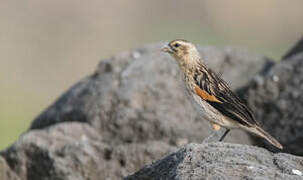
(277, 100)
(222, 161)
(135, 96)
(131, 111)
(72, 151)
(6, 172)
(275, 95)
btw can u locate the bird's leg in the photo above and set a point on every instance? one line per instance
(218, 134)
(225, 133)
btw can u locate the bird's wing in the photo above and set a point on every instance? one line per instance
(216, 92)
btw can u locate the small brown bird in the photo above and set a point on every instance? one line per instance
(211, 94)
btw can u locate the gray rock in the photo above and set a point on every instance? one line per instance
(222, 161)
(277, 100)
(131, 111)
(72, 151)
(135, 96)
(6, 172)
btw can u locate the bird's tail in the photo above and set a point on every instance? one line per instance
(260, 132)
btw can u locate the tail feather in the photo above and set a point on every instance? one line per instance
(260, 132)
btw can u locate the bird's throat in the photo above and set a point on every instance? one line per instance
(188, 63)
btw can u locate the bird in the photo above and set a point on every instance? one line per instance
(211, 95)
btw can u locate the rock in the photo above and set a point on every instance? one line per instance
(276, 98)
(129, 112)
(72, 151)
(6, 172)
(222, 161)
(135, 96)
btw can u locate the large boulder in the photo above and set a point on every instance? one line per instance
(135, 96)
(74, 150)
(129, 112)
(276, 98)
(222, 161)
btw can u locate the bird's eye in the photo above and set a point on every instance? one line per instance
(176, 45)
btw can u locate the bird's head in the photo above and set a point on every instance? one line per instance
(183, 51)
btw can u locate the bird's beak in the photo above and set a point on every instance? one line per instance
(166, 49)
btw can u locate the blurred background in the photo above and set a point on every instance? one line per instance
(46, 46)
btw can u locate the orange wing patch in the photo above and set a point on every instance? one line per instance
(204, 95)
